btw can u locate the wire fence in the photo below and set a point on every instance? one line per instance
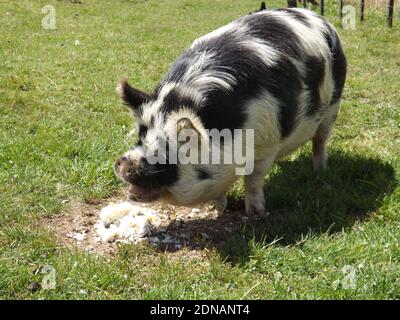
(391, 6)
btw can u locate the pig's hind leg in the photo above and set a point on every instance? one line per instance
(320, 138)
(220, 204)
(254, 198)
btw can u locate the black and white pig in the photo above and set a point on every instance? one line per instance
(279, 72)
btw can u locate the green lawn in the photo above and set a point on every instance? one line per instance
(333, 234)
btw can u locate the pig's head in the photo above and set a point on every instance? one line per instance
(147, 166)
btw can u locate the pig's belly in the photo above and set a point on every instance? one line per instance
(300, 136)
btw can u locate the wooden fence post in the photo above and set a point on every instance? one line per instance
(390, 13)
(362, 3)
(341, 9)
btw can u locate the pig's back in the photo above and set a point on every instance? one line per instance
(287, 64)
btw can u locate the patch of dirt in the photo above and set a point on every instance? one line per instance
(178, 227)
(75, 226)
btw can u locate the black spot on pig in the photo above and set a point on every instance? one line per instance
(203, 174)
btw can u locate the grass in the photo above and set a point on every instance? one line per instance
(62, 126)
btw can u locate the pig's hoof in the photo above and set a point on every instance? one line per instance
(220, 204)
(320, 162)
(256, 211)
(255, 206)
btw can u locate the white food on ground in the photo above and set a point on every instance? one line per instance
(125, 222)
(77, 236)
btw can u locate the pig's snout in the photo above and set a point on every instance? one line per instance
(142, 178)
(136, 171)
(118, 164)
(126, 168)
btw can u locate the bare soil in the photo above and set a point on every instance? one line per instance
(179, 227)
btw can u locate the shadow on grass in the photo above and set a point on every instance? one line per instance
(301, 201)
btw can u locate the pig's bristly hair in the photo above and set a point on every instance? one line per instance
(290, 54)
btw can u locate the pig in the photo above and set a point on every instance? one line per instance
(278, 72)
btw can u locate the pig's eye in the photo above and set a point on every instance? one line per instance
(142, 130)
(202, 174)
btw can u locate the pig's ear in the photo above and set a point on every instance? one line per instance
(132, 97)
(186, 123)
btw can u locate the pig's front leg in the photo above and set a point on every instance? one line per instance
(254, 199)
(220, 204)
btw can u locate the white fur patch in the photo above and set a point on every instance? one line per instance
(304, 132)
(262, 116)
(201, 75)
(135, 154)
(190, 190)
(238, 27)
(265, 52)
(152, 109)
